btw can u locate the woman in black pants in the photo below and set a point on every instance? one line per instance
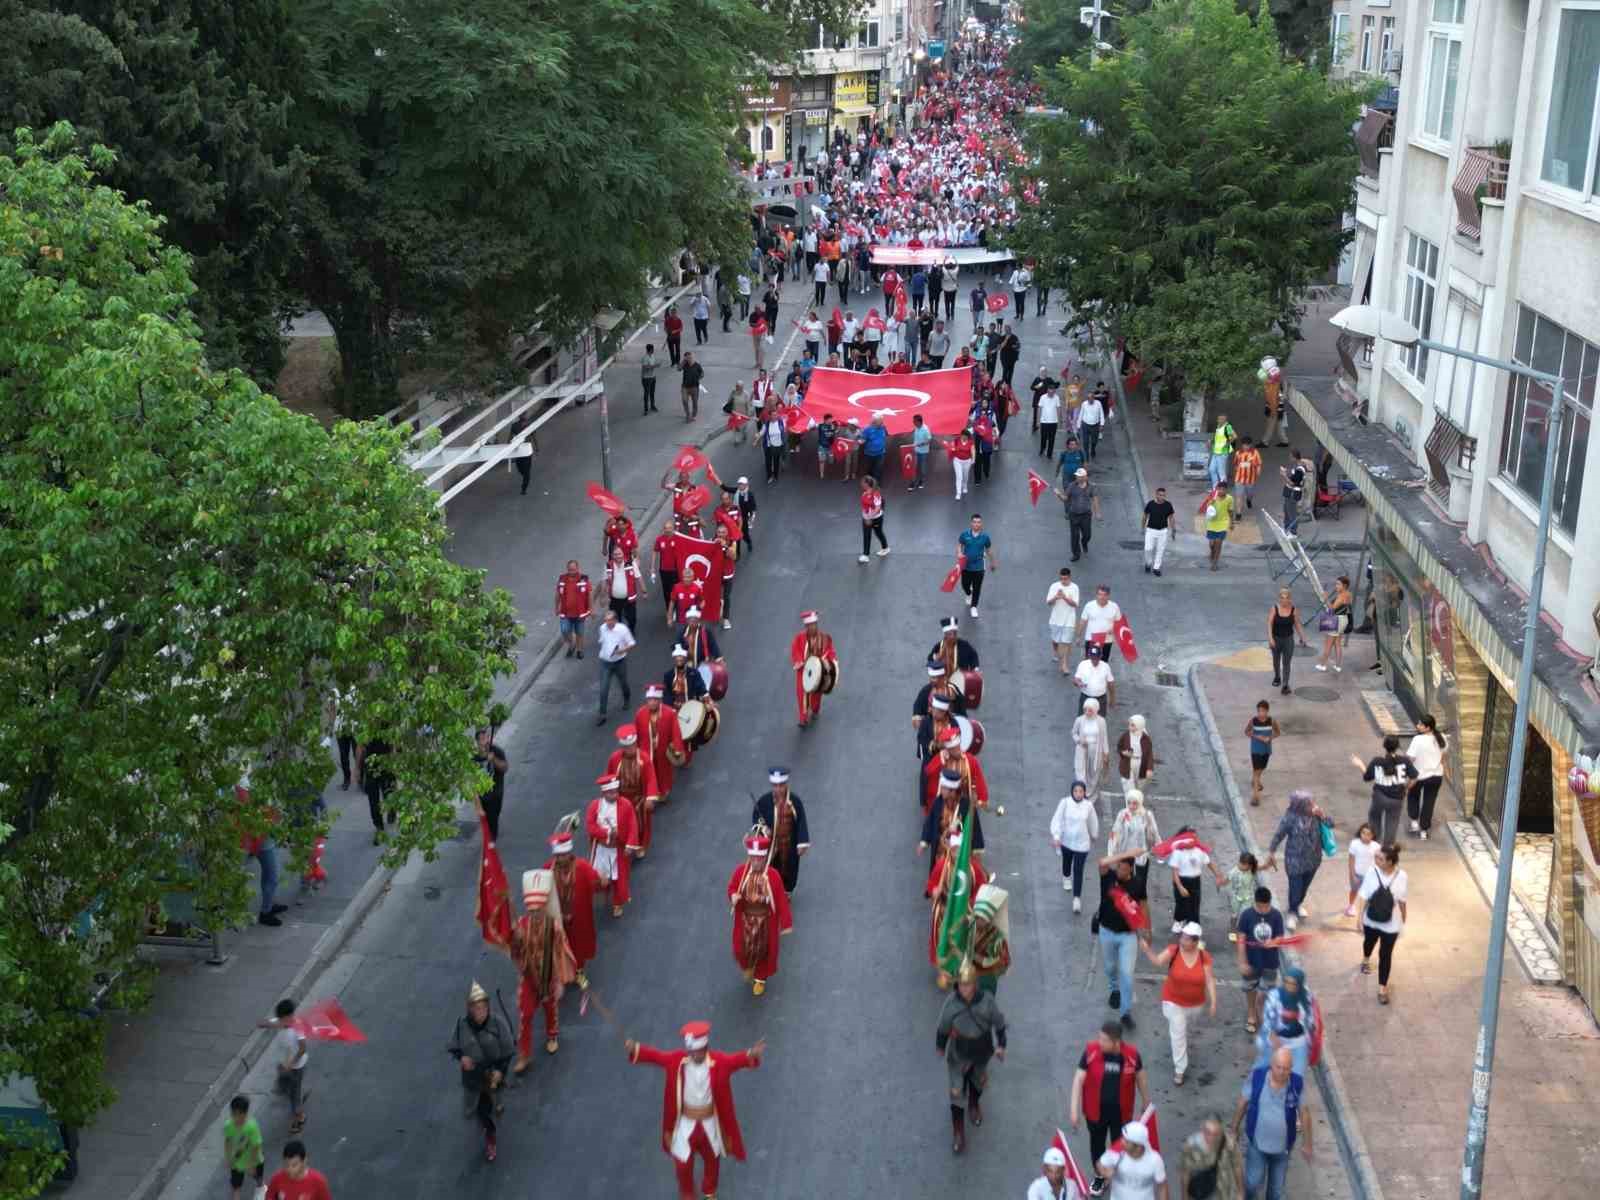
(1383, 914)
(1283, 629)
(1426, 753)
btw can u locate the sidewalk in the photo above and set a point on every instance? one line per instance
(1405, 1071)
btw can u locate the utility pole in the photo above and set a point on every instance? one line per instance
(605, 440)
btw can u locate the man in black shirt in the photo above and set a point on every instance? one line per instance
(1110, 1072)
(1120, 938)
(1294, 486)
(493, 761)
(1158, 527)
(693, 373)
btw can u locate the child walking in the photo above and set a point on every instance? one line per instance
(1186, 866)
(241, 1147)
(1363, 852)
(1240, 890)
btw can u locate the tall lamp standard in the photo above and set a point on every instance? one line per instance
(1363, 320)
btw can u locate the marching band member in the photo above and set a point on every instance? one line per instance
(697, 637)
(657, 724)
(544, 960)
(953, 650)
(613, 840)
(781, 811)
(938, 685)
(636, 781)
(809, 642)
(760, 909)
(680, 681)
(941, 886)
(952, 757)
(947, 813)
(577, 885)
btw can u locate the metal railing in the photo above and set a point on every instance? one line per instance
(1375, 133)
(1483, 176)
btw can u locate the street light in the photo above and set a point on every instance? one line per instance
(1364, 320)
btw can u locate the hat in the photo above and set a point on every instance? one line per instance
(809, 617)
(1054, 1158)
(696, 1035)
(969, 974)
(535, 888)
(949, 625)
(744, 479)
(1136, 1133)
(949, 779)
(940, 703)
(1192, 929)
(654, 692)
(476, 993)
(757, 845)
(608, 783)
(679, 652)
(777, 774)
(628, 735)
(935, 667)
(693, 614)
(952, 737)
(1081, 473)
(561, 843)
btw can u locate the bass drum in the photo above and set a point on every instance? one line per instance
(811, 674)
(970, 684)
(709, 727)
(691, 719)
(715, 676)
(830, 675)
(971, 734)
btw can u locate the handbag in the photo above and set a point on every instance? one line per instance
(1328, 623)
(1329, 846)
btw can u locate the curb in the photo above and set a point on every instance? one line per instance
(1352, 1146)
(1127, 434)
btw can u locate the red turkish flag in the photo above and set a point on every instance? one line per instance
(873, 321)
(952, 579)
(997, 302)
(1074, 1174)
(736, 420)
(1123, 632)
(689, 459)
(799, 420)
(1036, 487)
(908, 462)
(607, 502)
(326, 1021)
(841, 449)
(494, 893)
(1181, 841)
(706, 557)
(1129, 908)
(695, 499)
(942, 398)
(1148, 1120)
(1209, 497)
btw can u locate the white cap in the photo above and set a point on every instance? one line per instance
(777, 774)
(692, 613)
(679, 652)
(744, 479)
(1192, 929)
(1054, 1158)
(1136, 1133)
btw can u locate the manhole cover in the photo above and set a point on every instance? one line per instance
(1168, 679)
(1320, 695)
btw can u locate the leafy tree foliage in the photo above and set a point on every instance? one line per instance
(1050, 32)
(1200, 158)
(193, 97)
(191, 570)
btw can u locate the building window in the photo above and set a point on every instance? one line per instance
(813, 90)
(1569, 136)
(766, 137)
(1422, 276)
(1443, 67)
(1385, 43)
(1453, 396)
(1369, 36)
(867, 36)
(1546, 346)
(1339, 35)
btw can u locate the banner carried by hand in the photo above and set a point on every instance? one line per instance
(952, 579)
(689, 459)
(1123, 632)
(494, 892)
(326, 1021)
(1036, 487)
(997, 303)
(940, 398)
(706, 557)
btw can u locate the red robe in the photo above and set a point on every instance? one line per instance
(655, 735)
(577, 906)
(937, 888)
(636, 795)
(623, 839)
(744, 891)
(810, 703)
(722, 1068)
(930, 782)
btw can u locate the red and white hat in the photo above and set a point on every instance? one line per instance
(561, 843)
(654, 692)
(608, 782)
(757, 845)
(535, 888)
(628, 735)
(809, 617)
(696, 1035)
(952, 737)
(940, 703)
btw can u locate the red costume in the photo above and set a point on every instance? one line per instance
(613, 840)
(761, 912)
(809, 641)
(543, 959)
(976, 787)
(658, 731)
(939, 887)
(688, 1130)
(636, 779)
(577, 884)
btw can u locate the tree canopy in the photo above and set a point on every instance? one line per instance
(193, 570)
(1198, 164)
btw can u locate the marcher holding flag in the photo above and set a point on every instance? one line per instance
(1061, 1180)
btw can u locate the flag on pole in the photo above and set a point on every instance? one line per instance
(1123, 632)
(326, 1021)
(1036, 487)
(1074, 1174)
(956, 931)
(1178, 841)
(950, 580)
(494, 892)
(689, 459)
(607, 502)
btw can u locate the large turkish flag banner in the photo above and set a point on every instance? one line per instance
(942, 398)
(707, 558)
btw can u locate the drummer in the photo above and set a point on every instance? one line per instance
(681, 682)
(659, 738)
(809, 643)
(950, 809)
(953, 758)
(953, 650)
(698, 639)
(938, 685)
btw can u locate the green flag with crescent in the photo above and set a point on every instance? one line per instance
(955, 932)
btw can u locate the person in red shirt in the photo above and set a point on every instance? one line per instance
(686, 594)
(809, 642)
(871, 518)
(672, 324)
(961, 451)
(891, 284)
(898, 365)
(574, 602)
(578, 884)
(619, 531)
(296, 1180)
(666, 564)
(728, 517)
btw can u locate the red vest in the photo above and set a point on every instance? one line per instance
(1131, 1066)
(630, 572)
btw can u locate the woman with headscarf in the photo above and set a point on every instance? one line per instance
(1287, 1019)
(1090, 748)
(1073, 829)
(1300, 832)
(1134, 828)
(1136, 755)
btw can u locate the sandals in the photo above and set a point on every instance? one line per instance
(1249, 1026)
(1383, 995)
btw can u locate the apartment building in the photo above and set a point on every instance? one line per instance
(1478, 220)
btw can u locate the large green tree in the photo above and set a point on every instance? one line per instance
(193, 96)
(1198, 155)
(191, 570)
(1051, 31)
(481, 163)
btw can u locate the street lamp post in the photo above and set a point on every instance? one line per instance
(1365, 321)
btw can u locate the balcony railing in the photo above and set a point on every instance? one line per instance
(1375, 133)
(1482, 176)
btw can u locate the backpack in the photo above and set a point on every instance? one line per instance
(1380, 906)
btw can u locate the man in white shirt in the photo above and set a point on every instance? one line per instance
(1062, 600)
(1099, 615)
(1091, 420)
(1136, 1172)
(1049, 419)
(821, 272)
(1021, 281)
(1094, 681)
(1054, 1184)
(615, 642)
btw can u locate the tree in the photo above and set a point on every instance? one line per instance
(1213, 326)
(193, 570)
(1051, 31)
(192, 95)
(1199, 158)
(485, 164)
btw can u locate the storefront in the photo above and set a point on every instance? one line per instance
(809, 123)
(855, 100)
(765, 110)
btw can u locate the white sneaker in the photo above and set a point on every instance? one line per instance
(883, 552)
(1423, 834)
(1303, 914)
(974, 610)
(727, 624)
(1066, 885)
(261, 1191)
(1291, 922)
(863, 558)
(1077, 905)
(1349, 910)
(1337, 667)
(1320, 667)
(1415, 828)
(1177, 927)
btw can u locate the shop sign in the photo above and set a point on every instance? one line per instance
(850, 90)
(816, 116)
(874, 79)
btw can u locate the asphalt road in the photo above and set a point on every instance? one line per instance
(850, 1101)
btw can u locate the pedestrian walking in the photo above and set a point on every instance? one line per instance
(241, 1147)
(693, 373)
(921, 445)
(742, 290)
(1361, 854)
(874, 446)
(747, 511)
(1240, 890)
(1119, 938)
(1136, 1172)
(483, 1048)
(260, 847)
(724, 304)
(574, 603)
(961, 452)
(1288, 1017)
(615, 641)
(1073, 830)
(1021, 281)
(297, 1179)
(1160, 524)
(772, 442)
(1426, 753)
(1336, 625)
(1210, 1166)
(1061, 598)
(1390, 775)
(1091, 423)
(1246, 472)
(491, 760)
(1109, 1078)
(758, 335)
(700, 310)
(978, 300)
(672, 326)
(871, 518)
(1262, 729)
(938, 345)
(1090, 749)
(1081, 503)
(1136, 756)
(971, 1031)
(1053, 1183)
(841, 278)
(821, 276)
(1283, 631)
(290, 1055)
(648, 366)
(1190, 985)
(950, 285)
(1098, 617)
(1273, 1115)
(1299, 832)
(624, 587)
(976, 550)
(524, 462)
(1222, 439)
(1187, 864)
(1294, 489)
(1047, 411)
(1384, 914)
(1134, 828)
(1095, 681)
(375, 779)
(1257, 927)
(1010, 355)
(1219, 520)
